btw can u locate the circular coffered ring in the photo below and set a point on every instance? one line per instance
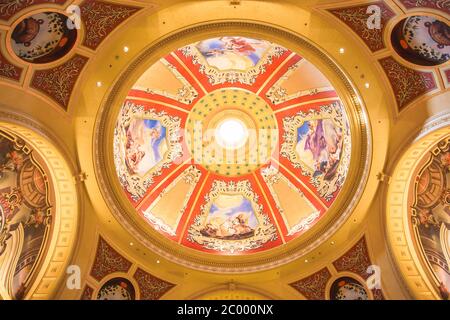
(126, 213)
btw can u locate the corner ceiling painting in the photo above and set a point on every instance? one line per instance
(43, 37)
(423, 40)
(232, 145)
(25, 213)
(346, 288)
(430, 214)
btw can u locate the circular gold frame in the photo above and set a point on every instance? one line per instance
(63, 234)
(335, 217)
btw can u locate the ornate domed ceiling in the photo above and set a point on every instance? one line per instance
(232, 145)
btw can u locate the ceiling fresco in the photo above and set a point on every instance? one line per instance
(117, 289)
(422, 40)
(347, 288)
(52, 45)
(218, 139)
(348, 278)
(9, 8)
(235, 159)
(25, 213)
(114, 277)
(43, 37)
(430, 214)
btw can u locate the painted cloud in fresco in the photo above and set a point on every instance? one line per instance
(233, 52)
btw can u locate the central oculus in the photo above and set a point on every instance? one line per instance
(231, 134)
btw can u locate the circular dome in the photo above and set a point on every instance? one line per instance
(284, 187)
(43, 37)
(232, 145)
(422, 40)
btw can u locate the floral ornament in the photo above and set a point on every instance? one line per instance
(407, 84)
(356, 18)
(445, 160)
(443, 5)
(37, 218)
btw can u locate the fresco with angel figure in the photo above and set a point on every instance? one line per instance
(319, 145)
(145, 146)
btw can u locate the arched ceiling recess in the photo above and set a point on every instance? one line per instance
(39, 214)
(417, 213)
(208, 85)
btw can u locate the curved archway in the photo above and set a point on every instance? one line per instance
(44, 175)
(403, 217)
